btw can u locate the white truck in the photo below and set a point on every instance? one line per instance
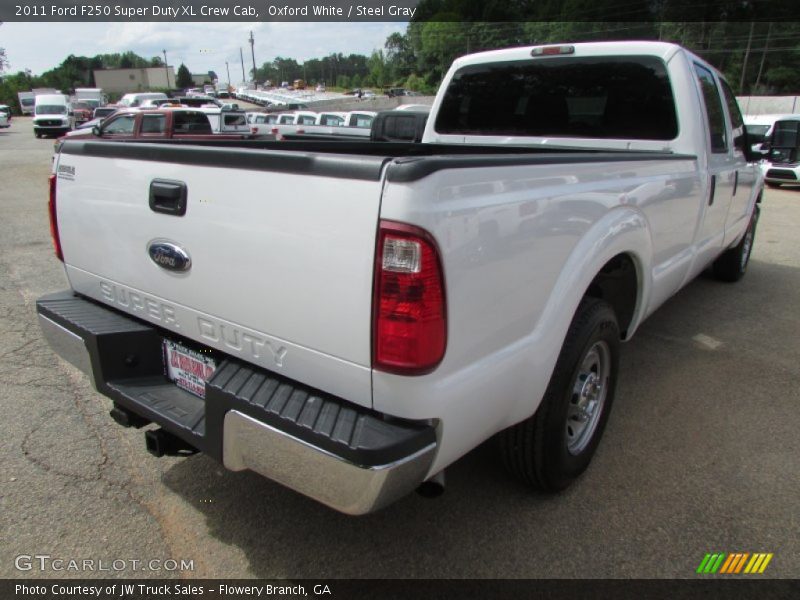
(26, 102)
(368, 313)
(781, 149)
(94, 97)
(52, 114)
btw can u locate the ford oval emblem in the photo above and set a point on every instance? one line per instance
(169, 256)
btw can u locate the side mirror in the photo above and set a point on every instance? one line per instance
(748, 143)
(96, 131)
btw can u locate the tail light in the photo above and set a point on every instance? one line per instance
(51, 207)
(409, 325)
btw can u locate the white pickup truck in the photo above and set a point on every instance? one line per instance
(349, 319)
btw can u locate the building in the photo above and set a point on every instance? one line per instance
(135, 80)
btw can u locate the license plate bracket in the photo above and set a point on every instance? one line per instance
(189, 369)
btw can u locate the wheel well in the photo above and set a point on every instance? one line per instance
(617, 283)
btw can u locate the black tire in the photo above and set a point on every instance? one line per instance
(773, 184)
(37, 134)
(732, 264)
(538, 450)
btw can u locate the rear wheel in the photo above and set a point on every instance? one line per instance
(554, 446)
(732, 264)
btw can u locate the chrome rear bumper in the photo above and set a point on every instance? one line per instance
(342, 485)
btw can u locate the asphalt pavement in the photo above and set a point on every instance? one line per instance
(701, 452)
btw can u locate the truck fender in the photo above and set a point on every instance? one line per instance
(623, 230)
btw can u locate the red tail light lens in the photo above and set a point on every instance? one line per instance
(409, 325)
(51, 207)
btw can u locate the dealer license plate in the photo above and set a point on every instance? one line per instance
(189, 369)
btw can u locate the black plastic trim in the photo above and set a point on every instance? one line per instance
(229, 156)
(168, 197)
(127, 366)
(409, 169)
(353, 159)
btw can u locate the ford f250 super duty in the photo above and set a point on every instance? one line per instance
(349, 319)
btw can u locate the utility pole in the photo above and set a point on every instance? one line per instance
(166, 68)
(253, 54)
(228, 69)
(763, 58)
(746, 56)
(241, 57)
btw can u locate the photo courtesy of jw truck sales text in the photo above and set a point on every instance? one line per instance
(379, 325)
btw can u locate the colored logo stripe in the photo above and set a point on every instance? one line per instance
(734, 563)
(758, 563)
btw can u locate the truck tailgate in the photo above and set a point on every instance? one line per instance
(281, 247)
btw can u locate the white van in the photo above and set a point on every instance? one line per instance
(782, 162)
(51, 114)
(134, 100)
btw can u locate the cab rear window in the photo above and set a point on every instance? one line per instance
(625, 97)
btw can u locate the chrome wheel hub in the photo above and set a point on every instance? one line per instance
(589, 391)
(748, 245)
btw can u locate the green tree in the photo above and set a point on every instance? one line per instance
(377, 70)
(416, 83)
(343, 81)
(399, 56)
(3, 58)
(183, 79)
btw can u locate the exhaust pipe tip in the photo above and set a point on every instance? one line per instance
(162, 443)
(433, 487)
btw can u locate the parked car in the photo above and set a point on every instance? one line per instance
(333, 119)
(782, 151)
(101, 112)
(162, 123)
(135, 99)
(51, 115)
(81, 111)
(5, 115)
(351, 319)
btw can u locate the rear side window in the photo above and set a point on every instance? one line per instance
(235, 120)
(122, 125)
(604, 97)
(735, 119)
(713, 103)
(362, 120)
(153, 123)
(191, 122)
(331, 120)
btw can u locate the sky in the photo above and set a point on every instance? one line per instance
(202, 47)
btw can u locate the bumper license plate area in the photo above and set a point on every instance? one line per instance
(189, 369)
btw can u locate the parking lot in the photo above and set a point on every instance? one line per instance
(701, 452)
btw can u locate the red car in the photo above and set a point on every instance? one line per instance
(82, 112)
(163, 123)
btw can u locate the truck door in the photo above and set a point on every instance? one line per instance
(721, 172)
(746, 173)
